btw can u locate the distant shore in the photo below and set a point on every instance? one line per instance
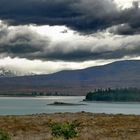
(92, 126)
(28, 95)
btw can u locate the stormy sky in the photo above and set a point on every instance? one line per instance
(45, 36)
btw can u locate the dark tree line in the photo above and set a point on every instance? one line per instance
(120, 95)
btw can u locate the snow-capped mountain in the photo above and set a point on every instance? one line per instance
(5, 72)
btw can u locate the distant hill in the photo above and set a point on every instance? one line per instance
(77, 82)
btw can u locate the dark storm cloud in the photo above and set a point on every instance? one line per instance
(20, 41)
(81, 15)
(85, 16)
(130, 23)
(85, 55)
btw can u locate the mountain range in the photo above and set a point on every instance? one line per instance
(118, 74)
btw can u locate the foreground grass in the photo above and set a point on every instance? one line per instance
(90, 126)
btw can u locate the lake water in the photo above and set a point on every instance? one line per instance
(33, 105)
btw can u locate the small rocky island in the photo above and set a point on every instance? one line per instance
(65, 104)
(114, 95)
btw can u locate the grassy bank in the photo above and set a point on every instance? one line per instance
(91, 126)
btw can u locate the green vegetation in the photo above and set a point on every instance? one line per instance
(4, 135)
(65, 130)
(119, 95)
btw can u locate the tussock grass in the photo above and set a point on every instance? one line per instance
(90, 126)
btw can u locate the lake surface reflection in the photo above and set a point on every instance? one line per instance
(33, 105)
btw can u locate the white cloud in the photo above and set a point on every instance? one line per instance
(26, 66)
(125, 3)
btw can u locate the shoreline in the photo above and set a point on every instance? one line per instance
(42, 96)
(71, 113)
(60, 113)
